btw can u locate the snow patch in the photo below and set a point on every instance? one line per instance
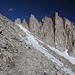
(64, 54)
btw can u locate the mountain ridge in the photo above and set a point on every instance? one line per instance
(56, 31)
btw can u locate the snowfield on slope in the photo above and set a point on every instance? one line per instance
(31, 40)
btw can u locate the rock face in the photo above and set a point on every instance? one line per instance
(42, 29)
(59, 34)
(56, 31)
(48, 31)
(70, 32)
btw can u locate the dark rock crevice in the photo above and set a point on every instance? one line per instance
(53, 19)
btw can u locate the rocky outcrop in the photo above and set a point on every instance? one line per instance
(33, 24)
(24, 23)
(42, 29)
(56, 31)
(70, 33)
(59, 32)
(18, 20)
(48, 31)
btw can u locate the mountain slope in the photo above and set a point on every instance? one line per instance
(21, 53)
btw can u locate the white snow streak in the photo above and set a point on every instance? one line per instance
(33, 41)
(64, 54)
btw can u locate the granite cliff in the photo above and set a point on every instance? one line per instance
(56, 31)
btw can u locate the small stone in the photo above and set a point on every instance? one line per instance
(46, 74)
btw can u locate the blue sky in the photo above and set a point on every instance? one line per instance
(13, 9)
